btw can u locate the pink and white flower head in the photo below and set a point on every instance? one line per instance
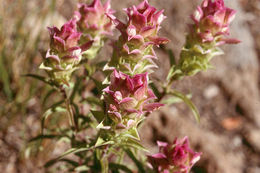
(64, 42)
(174, 158)
(212, 20)
(64, 53)
(133, 52)
(127, 98)
(95, 20)
(143, 24)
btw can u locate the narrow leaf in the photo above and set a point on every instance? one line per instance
(70, 151)
(82, 168)
(99, 85)
(133, 144)
(155, 90)
(75, 88)
(189, 103)
(4, 77)
(38, 77)
(174, 99)
(40, 137)
(133, 133)
(99, 115)
(74, 151)
(115, 166)
(171, 57)
(135, 160)
(47, 96)
(50, 112)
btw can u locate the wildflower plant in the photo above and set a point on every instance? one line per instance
(104, 120)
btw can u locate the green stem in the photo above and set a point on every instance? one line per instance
(71, 116)
(121, 157)
(69, 109)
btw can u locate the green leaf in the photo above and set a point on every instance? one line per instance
(40, 137)
(94, 101)
(104, 165)
(47, 96)
(82, 168)
(115, 166)
(74, 151)
(38, 77)
(5, 78)
(100, 141)
(135, 160)
(100, 65)
(99, 115)
(70, 151)
(102, 126)
(50, 112)
(171, 57)
(133, 133)
(174, 99)
(75, 88)
(72, 162)
(133, 144)
(155, 90)
(173, 72)
(188, 102)
(99, 85)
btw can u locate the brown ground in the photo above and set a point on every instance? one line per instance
(227, 97)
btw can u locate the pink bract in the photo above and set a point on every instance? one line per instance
(129, 95)
(64, 42)
(95, 18)
(143, 24)
(177, 157)
(212, 20)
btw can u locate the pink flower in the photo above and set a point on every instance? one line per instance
(127, 98)
(64, 42)
(64, 54)
(95, 19)
(212, 20)
(176, 157)
(133, 52)
(143, 24)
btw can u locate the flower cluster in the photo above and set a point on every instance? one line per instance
(83, 36)
(64, 53)
(210, 28)
(95, 23)
(174, 158)
(128, 98)
(212, 21)
(134, 51)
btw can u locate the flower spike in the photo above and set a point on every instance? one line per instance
(95, 21)
(138, 36)
(64, 53)
(128, 98)
(210, 29)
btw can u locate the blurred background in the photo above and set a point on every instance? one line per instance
(227, 96)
